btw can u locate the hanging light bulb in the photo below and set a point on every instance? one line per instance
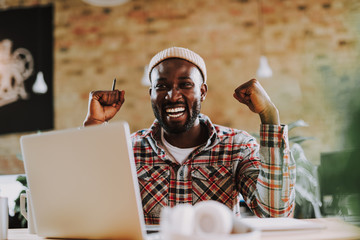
(145, 81)
(40, 86)
(264, 70)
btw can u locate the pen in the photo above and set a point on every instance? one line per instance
(114, 83)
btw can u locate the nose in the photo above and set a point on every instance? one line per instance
(173, 94)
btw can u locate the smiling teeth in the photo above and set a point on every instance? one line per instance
(175, 110)
(176, 115)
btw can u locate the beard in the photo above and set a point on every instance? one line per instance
(189, 123)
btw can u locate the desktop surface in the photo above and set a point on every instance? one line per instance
(334, 229)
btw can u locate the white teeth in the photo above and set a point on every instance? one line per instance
(175, 115)
(175, 110)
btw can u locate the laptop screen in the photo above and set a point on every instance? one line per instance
(83, 183)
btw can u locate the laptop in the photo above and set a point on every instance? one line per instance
(83, 183)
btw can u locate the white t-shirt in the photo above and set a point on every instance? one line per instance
(179, 154)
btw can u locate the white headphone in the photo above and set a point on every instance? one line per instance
(206, 217)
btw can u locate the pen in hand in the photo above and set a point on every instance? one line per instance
(113, 85)
(118, 95)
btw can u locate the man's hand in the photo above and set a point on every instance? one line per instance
(255, 97)
(103, 105)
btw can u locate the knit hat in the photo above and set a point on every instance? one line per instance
(182, 53)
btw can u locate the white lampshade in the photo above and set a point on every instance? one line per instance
(145, 81)
(264, 70)
(40, 86)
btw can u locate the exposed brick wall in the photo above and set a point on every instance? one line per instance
(312, 47)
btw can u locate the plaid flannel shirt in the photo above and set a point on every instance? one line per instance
(229, 164)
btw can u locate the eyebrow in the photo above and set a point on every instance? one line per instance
(185, 77)
(160, 79)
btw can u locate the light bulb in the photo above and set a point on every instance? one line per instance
(40, 84)
(145, 81)
(264, 70)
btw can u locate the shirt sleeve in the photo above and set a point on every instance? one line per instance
(267, 181)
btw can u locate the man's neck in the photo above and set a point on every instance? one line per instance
(193, 137)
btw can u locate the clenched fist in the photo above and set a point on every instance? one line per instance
(255, 97)
(103, 106)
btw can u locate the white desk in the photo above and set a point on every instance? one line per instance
(334, 229)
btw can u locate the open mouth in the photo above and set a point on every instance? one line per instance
(175, 112)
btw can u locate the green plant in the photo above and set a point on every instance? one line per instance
(307, 190)
(17, 214)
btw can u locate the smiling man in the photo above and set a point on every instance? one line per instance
(185, 158)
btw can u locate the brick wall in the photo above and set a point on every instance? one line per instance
(312, 47)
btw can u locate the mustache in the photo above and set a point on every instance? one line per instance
(174, 104)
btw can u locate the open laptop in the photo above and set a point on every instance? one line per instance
(83, 183)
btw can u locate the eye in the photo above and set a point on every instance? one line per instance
(187, 85)
(160, 86)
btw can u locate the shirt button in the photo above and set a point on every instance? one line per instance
(181, 173)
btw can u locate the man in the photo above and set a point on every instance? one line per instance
(185, 158)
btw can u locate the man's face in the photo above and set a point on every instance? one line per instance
(176, 92)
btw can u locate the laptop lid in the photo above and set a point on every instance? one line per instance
(83, 183)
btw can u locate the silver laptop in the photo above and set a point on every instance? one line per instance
(83, 183)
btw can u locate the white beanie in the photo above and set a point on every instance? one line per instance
(182, 53)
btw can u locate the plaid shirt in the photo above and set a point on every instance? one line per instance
(228, 164)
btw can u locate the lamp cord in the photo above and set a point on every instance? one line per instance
(261, 27)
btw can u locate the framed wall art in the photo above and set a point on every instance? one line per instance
(26, 69)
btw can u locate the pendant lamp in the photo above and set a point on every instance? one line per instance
(40, 86)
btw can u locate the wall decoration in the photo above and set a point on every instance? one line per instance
(26, 69)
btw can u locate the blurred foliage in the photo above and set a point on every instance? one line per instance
(307, 191)
(352, 163)
(343, 170)
(18, 216)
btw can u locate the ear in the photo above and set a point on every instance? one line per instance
(203, 90)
